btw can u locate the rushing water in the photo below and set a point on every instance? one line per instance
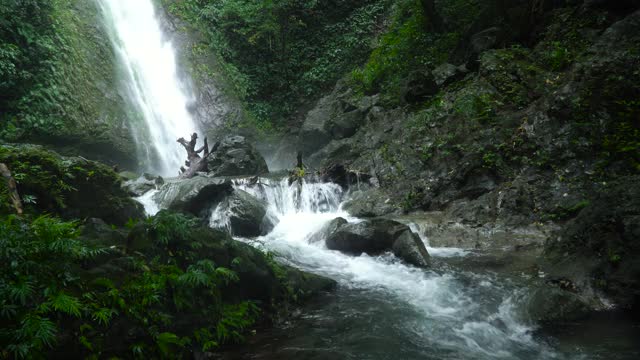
(385, 309)
(152, 83)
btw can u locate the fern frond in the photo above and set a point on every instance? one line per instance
(21, 292)
(66, 304)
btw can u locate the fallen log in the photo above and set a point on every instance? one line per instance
(195, 162)
(12, 188)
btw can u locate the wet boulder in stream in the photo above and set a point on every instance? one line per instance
(244, 215)
(193, 195)
(375, 237)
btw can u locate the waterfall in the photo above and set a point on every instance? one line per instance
(151, 83)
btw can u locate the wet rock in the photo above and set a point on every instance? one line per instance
(246, 215)
(70, 187)
(193, 195)
(549, 304)
(419, 87)
(603, 237)
(369, 203)
(409, 247)
(308, 285)
(328, 229)
(236, 157)
(139, 186)
(333, 118)
(339, 174)
(377, 236)
(446, 74)
(487, 39)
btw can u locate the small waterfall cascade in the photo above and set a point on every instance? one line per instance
(416, 313)
(283, 199)
(152, 83)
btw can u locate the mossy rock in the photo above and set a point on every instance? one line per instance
(70, 187)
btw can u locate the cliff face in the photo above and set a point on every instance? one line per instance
(59, 81)
(516, 138)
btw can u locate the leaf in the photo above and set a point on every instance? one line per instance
(103, 316)
(166, 340)
(21, 292)
(67, 304)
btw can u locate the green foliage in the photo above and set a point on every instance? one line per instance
(171, 227)
(38, 281)
(273, 54)
(558, 56)
(47, 300)
(407, 46)
(52, 54)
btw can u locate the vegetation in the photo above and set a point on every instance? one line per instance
(47, 297)
(275, 54)
(54, 64)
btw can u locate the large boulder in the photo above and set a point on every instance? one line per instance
(377, 236)
(71, 187)
(243, 215)
(336, 116)
(235, 156)
(193, 195)
(328, 229)
(550, 304)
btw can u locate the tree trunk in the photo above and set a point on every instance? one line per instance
(433, 21)
(195, 162)
(12, 188)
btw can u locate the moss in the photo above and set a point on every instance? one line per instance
(71, 187)
(70, 99)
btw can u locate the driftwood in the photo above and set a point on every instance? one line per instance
(195, 163)
(12, 187)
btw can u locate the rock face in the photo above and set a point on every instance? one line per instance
(235, 156)
(72, 187)
(375, 237)
(193, 195)
(600, 247)
(334, 117)
(369, 203)
(245, 214)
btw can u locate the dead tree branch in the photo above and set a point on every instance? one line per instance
(12, 187)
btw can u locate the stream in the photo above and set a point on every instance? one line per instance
(385, 309)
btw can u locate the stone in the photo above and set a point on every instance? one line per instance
(419, 86)
(235, 156)
(139, 186)
(71, 187)
(409, 247)
(328, 229)
(244, 214)
(369, 203)
(446, 74)
(193, 195)
(550, 304)
(375, 237)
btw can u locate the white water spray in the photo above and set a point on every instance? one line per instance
(152, 82)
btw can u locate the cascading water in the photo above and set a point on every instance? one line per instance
(384, 308)
(391, 310)
(152, 83)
